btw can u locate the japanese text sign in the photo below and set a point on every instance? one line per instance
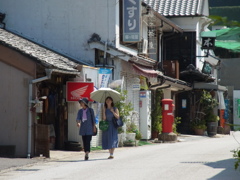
(104, 76)
(131, 20)
(208, 42)
(78, 90)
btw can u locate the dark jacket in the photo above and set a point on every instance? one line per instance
(86, 127)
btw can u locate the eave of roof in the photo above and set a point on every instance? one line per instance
(98, 44)
(44, 56)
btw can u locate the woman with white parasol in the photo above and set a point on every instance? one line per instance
(110, 136)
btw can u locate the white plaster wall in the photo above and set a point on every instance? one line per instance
(186, 23)
(62, 25)
(14, 110)
(167, 94)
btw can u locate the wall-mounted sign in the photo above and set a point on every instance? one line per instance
(208, 42)
(131, 20)
(136, 87)
(184, 103)
(207, 68)
(142, 94)
(78, 90)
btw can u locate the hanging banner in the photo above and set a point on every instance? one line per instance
(78, 90)
(227, 110)
(104, 76)
(143, 83)
(131, 20)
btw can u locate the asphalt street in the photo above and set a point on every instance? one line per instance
(192, 158)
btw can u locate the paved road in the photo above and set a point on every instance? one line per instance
(193, 159)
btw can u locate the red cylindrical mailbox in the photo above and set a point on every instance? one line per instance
(167, 115)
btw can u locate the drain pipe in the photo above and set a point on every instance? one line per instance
(30, 101)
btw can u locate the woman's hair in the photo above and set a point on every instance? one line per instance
(105, 104)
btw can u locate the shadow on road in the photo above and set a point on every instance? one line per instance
(228, 171)
(82, 160)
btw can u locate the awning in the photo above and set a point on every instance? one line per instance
(144, 71)
(209, 86)
(226, 38)
(171, 83)
(163, 81)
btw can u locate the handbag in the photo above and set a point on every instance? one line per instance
(94, 133)
(117, 122)
(103, 125)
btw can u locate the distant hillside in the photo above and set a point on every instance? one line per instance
(218, 3)
(232, 13)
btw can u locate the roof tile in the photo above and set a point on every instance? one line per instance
(43, 55)
(177, 7)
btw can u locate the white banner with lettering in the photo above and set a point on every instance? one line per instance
(104, 76)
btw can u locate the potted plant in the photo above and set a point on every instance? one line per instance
(199, 127)
(212, 123)
(208, 103)
(124, 107)
(138, 137)
(131, 131)
(176, 122)
(156, 114)
(124, 111)
(120, 136)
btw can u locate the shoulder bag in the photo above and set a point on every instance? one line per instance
(94, 126)
(117, 122)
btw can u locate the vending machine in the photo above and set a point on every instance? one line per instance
(145, 114)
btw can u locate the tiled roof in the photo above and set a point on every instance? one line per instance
(177, 7)
(46, 57)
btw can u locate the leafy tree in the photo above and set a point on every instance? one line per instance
(223, 21)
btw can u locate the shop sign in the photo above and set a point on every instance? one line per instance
(78, 90)
(131, 20)
(136, 87)
(208, 42)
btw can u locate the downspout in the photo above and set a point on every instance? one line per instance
(30, 101)
(105, 55)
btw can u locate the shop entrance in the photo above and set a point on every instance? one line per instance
(51, 119)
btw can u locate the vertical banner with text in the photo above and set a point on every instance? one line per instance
(131, 20)
(104, 75)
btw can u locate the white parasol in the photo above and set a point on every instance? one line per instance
(101, 94)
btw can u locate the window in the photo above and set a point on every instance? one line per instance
(181, 48)
(100, 61)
